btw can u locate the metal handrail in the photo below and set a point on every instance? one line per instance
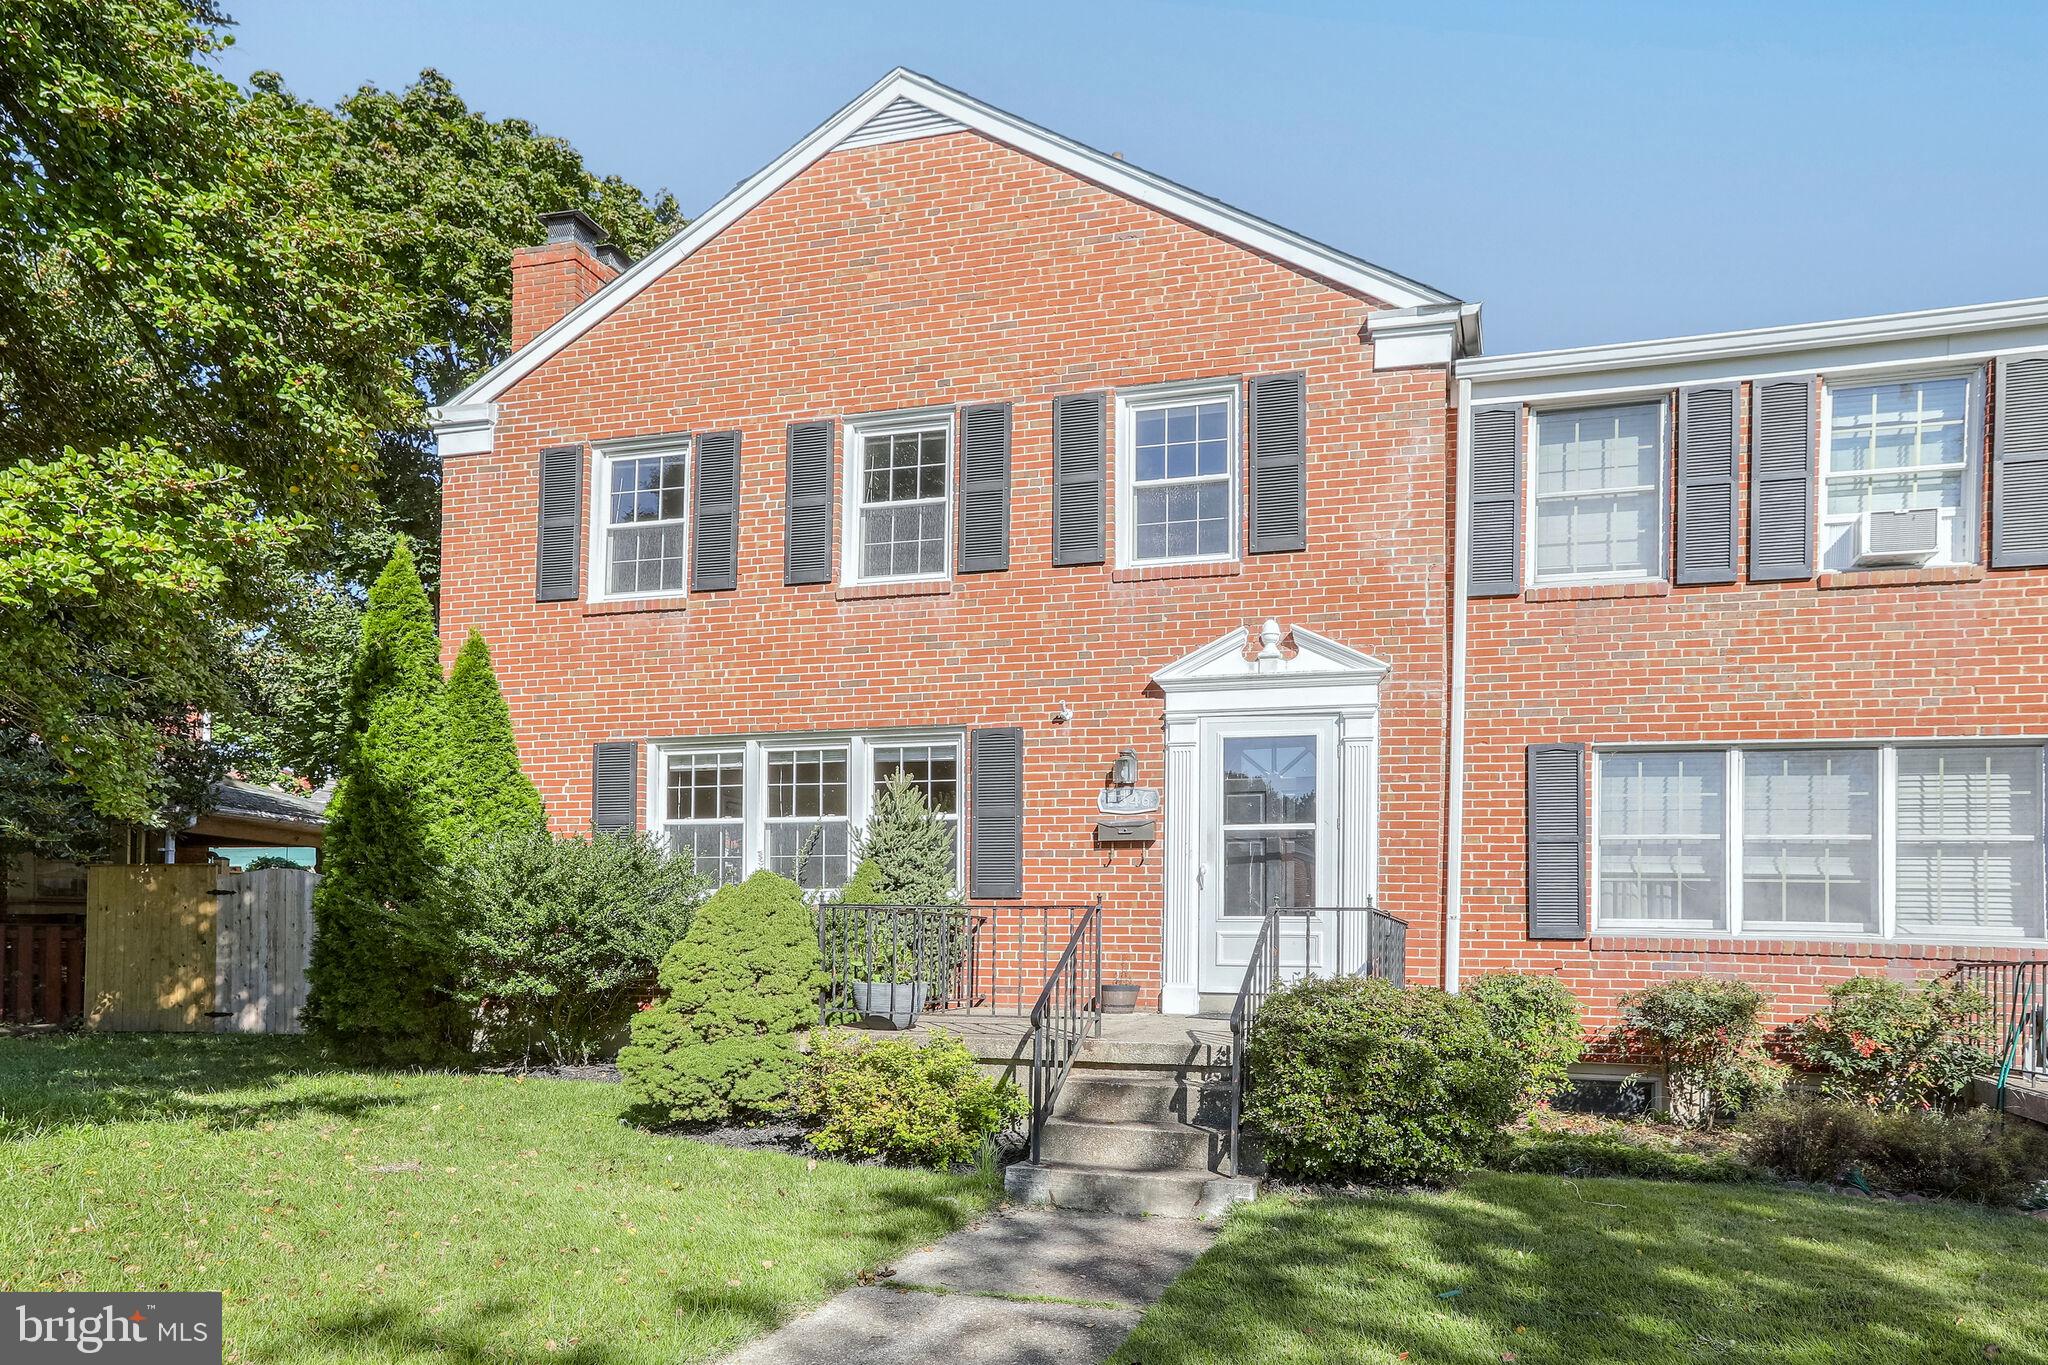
(2012, 1025)
(1068, 1009)
(1385, 955)
(951, 959)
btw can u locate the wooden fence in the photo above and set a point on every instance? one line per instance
(187, 948)
(42, 969)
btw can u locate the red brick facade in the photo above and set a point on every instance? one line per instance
(953, 269)
(1948, 653)
(938, 271)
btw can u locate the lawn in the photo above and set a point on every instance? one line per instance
(1541, 1270)
(378, 1216)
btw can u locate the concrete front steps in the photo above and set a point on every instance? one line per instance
(1142, 1126)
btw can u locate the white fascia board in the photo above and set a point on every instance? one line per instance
(1961, 333)
(1434, 334)
(1120, 177)
(464, 428)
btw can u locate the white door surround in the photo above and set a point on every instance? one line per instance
(1323, 682)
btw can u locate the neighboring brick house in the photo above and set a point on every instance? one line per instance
(1771, 609)
(959, 448)
(947, 445)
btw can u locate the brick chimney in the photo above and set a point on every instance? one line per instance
(550, 279)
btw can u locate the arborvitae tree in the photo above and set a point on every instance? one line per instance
(906, 853)
(491, 796)
(378, 980)
(741, 985)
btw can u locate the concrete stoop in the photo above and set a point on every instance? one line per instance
(1140, 1128)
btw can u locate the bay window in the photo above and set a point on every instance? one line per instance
(1897, 841)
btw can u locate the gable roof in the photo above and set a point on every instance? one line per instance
(904, 104)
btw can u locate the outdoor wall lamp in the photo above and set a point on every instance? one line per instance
(1124, 773)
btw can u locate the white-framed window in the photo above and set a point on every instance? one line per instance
(794, 804)
(639, 543)
(1914, 841)
(1177, 461)
(1596, 492)
(1901, 445)
(899, 497)
(705, 810)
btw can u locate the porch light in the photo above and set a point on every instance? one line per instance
(1125, 771)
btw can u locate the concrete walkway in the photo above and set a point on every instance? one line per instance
(1021, 1287)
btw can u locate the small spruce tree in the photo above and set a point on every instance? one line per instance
(742, 985)
(377, 982)
(906, 852)
(489, 793)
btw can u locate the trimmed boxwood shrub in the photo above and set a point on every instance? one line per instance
(1537, 1016)
(1354, 1078)
(742, 986)
(919, 1105)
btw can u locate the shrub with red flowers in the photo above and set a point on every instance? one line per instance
(1891, 1046)
(1707, 1033)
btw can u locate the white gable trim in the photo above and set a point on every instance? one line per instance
(901, 121)
(1142, 186)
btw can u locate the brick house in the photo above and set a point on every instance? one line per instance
(947, 445)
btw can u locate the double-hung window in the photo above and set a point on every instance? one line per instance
(899, 497)
(1597, 493)
(807, 815)
(638, 533)
(795, 804)
(1894, 841)
(1901, 446)
(706, 812)
(1177, 484)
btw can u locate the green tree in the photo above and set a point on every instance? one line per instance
(450, 193)
(198, 348)
(907, 851)
(741, 985)
(489, 792)
(381, 972)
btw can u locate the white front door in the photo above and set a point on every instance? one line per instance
(1267, 840)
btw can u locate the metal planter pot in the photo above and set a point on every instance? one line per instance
(1119, 999)
(899, 1002)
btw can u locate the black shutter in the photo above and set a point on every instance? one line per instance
(807, 511)
(995, 831)
(1494, 557)
(615, 787)
(561, 523)
(1706, 484)
(2019, 465)
(1781, 479)
(1077, 469)
(984, 532)
(1557, 841)
(1278, 467)
(715, 547)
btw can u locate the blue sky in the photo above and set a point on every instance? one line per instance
(1590, 172)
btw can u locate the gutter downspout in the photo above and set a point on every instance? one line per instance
(1454, 832)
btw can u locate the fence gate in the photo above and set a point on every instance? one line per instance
(42, 969)
(262, 943)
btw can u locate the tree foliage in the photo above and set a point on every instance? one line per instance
(223, 314)
(490, 793)
(382, 968)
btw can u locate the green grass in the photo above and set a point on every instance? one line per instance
(513, 1220)
(1545, 1271)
